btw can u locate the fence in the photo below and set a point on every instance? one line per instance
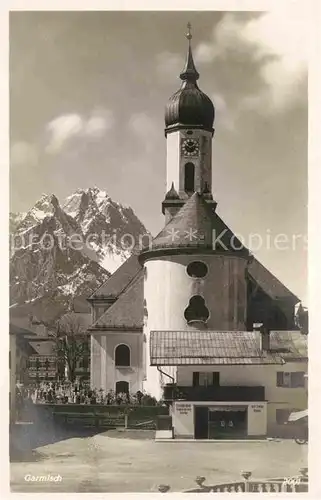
(296, 484)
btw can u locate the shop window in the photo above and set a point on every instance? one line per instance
(122, 355)
(290, 379)
(197, 269)
(282, 415)
(196, 310)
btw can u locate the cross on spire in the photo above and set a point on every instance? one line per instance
(189, 72)
(189, 35)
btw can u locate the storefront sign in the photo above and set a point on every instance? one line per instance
(257, 408)
(184, 409)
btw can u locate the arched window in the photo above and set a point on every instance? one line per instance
(122, 355)
(122, 386)
(189, 177)
(196, 310)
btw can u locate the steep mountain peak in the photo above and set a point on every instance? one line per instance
(63, 251)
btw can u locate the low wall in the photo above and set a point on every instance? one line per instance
(106, 416)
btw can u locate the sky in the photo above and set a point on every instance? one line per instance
(87, 97)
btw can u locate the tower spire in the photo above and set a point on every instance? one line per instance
(189, 73)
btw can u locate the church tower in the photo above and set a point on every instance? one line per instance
(192, 283)
(189, 118)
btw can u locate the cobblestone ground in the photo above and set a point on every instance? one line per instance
(114, 462)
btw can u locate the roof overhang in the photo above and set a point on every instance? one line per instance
(196, 348)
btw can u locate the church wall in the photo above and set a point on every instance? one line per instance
(202, 162)
(176, 161)
(95, 361)
(168, 289)
(172, 160)
(104, 373)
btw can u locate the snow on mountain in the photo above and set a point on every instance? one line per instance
(111, 229)
(61, 253)
(15, 219)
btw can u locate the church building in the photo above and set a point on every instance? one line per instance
(192, 317)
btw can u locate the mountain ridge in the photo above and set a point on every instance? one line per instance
(59, 255)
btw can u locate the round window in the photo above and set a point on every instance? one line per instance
(197, 269)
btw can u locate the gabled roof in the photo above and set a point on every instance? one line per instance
(127, 311)
(116, 283)
(43, 348)
(196, 226)
(170, 348)
(269, 283)
(16, 329)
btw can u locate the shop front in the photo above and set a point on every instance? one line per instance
(219, 420)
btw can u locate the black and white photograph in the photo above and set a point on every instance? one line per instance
(158, 234)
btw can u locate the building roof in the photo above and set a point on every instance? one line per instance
(127, 311)
(119, 280)
(196, 226)
(15, 328)
(269, 283)
(43, 347)
(291, 345)
(215, 348)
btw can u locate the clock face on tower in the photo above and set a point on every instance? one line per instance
(190, 147)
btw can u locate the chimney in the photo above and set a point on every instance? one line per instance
(264, 339)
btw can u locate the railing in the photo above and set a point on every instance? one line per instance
(220, 393)
(296, 484)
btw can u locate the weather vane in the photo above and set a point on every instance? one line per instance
(189, 34)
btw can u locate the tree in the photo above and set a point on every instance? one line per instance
(71, 342)
(302, 319)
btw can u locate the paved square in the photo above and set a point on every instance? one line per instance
(113, 462)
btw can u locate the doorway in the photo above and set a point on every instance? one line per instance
(122, 386)
(201, 422)
(227, 423)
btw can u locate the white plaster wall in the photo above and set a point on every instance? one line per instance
(183, 416)
(257, 419)
(183, 419)
(95, 361)
(172, 160)
(175, 160)
(104, 373)
(264, 375)
(168, 289)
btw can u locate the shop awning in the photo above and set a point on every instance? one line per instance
(297, 415)
(227, 408)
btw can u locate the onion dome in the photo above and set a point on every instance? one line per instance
(189, 106)
(172, 194)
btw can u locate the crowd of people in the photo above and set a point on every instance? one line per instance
(78, 393)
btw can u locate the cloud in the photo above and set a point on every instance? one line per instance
(65, 127)
(23, 153)
(277, 41)
(146, 129)
(169, 65)
(223, 114)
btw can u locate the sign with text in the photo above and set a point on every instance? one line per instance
(183, 408)
(257, 408)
